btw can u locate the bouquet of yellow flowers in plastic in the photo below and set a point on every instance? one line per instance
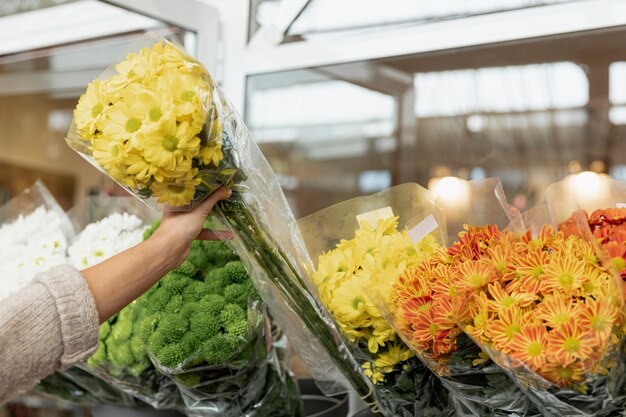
(158, 124)
(149, 127)
(360, 249)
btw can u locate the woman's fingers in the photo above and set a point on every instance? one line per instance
(222, 193)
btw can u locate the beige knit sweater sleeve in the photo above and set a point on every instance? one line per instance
(50, 325)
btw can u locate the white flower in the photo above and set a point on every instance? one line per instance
(104, 239)
(29, 245)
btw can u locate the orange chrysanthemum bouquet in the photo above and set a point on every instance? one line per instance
(544, 307)
(430, 302)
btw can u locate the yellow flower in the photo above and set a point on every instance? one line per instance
(170, 145)
(108, 153)
(381, 334)
(395, 354)
(371, 372)
(155, 107)
(211, 154)
(136, 68)
(349, 301)
(125, 119)
(90, 110)
(138, 166)
(191, 94)
(175, 194)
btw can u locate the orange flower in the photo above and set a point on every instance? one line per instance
(448, 312)
(474, 241)
(569, 342)
(545, 239)
(597, 316)
(529, 345)
(408, 310)
(563, 374)
(472, 276)
(595, 281)
(498, 256)
(610, 216)
(479, 312)
(530, 267)
(502, 299)
(424, 327)
(556, 310)
(563, 275)
(410, 284)
(502, 329)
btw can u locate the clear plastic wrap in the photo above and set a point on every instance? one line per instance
(34, 235)
(360, 246)
(426, 307)
(82, 388)
(210, 146)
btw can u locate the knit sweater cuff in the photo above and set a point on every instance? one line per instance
(77, 313)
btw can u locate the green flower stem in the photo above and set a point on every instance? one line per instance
(288, 281)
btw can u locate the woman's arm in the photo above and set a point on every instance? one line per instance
(53, 323)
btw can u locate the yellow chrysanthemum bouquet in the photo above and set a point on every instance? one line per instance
(361, 245)
(158, 124)
(154, 126)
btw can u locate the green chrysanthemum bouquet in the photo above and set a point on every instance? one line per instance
(160, 126)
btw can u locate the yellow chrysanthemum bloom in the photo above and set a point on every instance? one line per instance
(169, 144)
(211, 154)
(190, 93)
(108, 152)
(370, 371)
(177, 193)
(90, 110)
(142, 169)
(125, 119)
(369, 263)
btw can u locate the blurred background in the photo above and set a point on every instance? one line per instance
(345, 97)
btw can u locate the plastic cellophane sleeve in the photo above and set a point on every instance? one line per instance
(409, 388)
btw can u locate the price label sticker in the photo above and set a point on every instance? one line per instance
(372, 217)
(620, 205)
(423, 229)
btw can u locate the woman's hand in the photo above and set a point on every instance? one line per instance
(180, 228)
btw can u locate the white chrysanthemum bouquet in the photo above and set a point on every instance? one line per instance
(34, 235)
(105, 238)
